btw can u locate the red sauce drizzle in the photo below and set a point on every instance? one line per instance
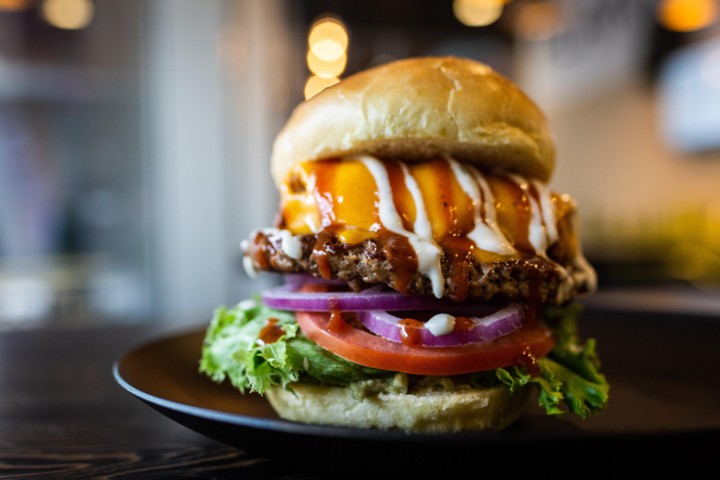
(463, 324)
(410, 331)
(401, 256)
(533, 303)
(260, 256)
(529, 362)
(271, 332)
(323, 246)
(459, 251)
(513, 213)
(324, 189)
(325, 201)
(337, 323)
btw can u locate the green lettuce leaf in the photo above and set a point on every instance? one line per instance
(569, 377)
(232, 350)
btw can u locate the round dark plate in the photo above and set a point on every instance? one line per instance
(665, 404)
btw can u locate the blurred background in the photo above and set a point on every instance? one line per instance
(135, 137)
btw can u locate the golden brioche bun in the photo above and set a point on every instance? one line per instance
(416, 109)
(491, 409)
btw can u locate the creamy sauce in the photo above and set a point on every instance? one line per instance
(547, 211)
(290, 244)
(486, 233)
(440, 324)
(537, 232)
(428, 252)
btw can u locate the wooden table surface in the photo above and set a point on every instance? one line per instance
(63, 416)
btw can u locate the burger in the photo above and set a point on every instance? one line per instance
(430, 276)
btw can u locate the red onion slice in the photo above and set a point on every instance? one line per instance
(485, 329)
(288, 297)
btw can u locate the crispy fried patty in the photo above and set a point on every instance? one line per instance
(553, 280)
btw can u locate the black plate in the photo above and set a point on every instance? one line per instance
(665, 405)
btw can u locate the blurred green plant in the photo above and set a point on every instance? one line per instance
(682, 244)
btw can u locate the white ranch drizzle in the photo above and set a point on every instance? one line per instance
(547, 210)
(486, 233)
(538, 233)
(290, 244)
(247, 262)
(428, 252)
(422, 225)
(309, 220)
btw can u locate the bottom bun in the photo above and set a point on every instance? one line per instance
(490, 409)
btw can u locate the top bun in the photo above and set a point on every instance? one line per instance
(417, 109)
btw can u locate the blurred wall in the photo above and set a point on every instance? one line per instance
(72, 200)
(212, 101)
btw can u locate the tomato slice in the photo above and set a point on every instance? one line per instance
(370, 350)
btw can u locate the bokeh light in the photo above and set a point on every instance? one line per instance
(326, 58)
(477, 13)
(315, 85)
(687, 15)
(68, 14)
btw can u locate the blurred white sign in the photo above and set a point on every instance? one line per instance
(689, 91)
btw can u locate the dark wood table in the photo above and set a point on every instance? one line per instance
(63, 416)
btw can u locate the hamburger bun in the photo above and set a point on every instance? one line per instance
(418, 109)
(425, 411)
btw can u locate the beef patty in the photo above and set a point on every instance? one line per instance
(554, 280)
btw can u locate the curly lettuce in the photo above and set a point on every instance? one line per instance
(569, 377)
(233, 349)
